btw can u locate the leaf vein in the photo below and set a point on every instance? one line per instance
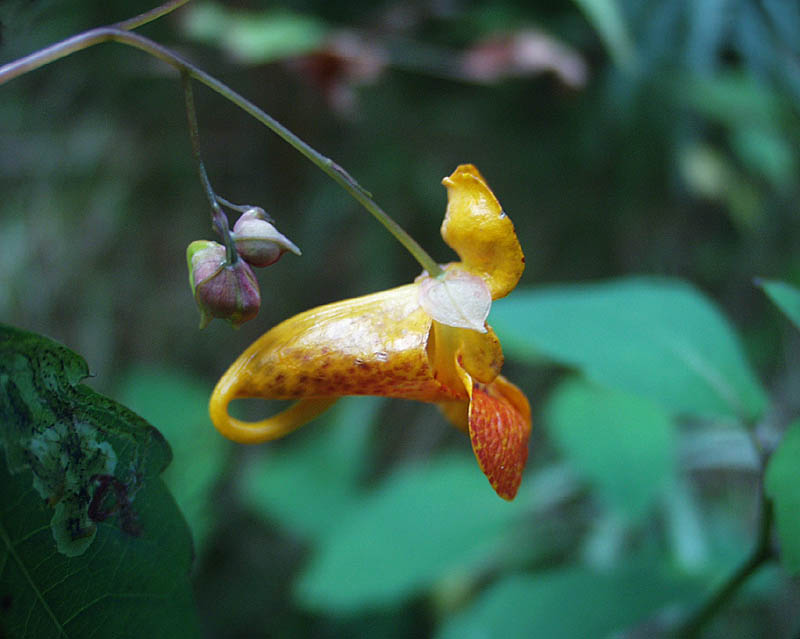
(23, 569)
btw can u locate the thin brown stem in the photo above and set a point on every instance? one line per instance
(218, 217)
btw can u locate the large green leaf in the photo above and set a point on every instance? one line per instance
(658, 338)
(91, 541)
(311, 482)
(424, 523)
(570, 603)
(782, 484)
(785, 296)
(178, 405)
(622, 443)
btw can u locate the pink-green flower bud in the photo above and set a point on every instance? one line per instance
(258, 241)
(223, 290)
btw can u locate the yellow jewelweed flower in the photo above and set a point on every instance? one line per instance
(405, 343)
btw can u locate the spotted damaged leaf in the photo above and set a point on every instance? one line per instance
(87, 526)
(75, 443)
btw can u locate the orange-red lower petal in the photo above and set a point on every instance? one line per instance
(499, 428)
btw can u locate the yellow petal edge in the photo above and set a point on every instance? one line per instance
(476, 228)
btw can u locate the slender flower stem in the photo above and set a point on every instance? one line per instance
(239, 208)
(149, 16)
(81, 41)
(218, 217)
(116, 34)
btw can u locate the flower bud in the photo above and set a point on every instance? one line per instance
(258, 241)
(223, 290)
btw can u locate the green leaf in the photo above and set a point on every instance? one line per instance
(606, 17)
(574, 602)
(735, 99)
(658, 338)
(255, 37)
(766, 152)
(310, 483)
(785, 296)
(621, 443)
(178, 405)
(424, 523)
(782, 485)
(90, 537)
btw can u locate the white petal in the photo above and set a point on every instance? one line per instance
(460, 299)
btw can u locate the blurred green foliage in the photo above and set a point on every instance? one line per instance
(657, 338)
(601, 432)
(786, 297)
(178, 404)
(570, 603)
(673, 152)
(323, 472)
(782, 487)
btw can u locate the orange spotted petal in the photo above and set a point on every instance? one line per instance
(476, 228)
(370, 345)
(499, 420)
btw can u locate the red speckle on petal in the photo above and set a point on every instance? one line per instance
(499, 434)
